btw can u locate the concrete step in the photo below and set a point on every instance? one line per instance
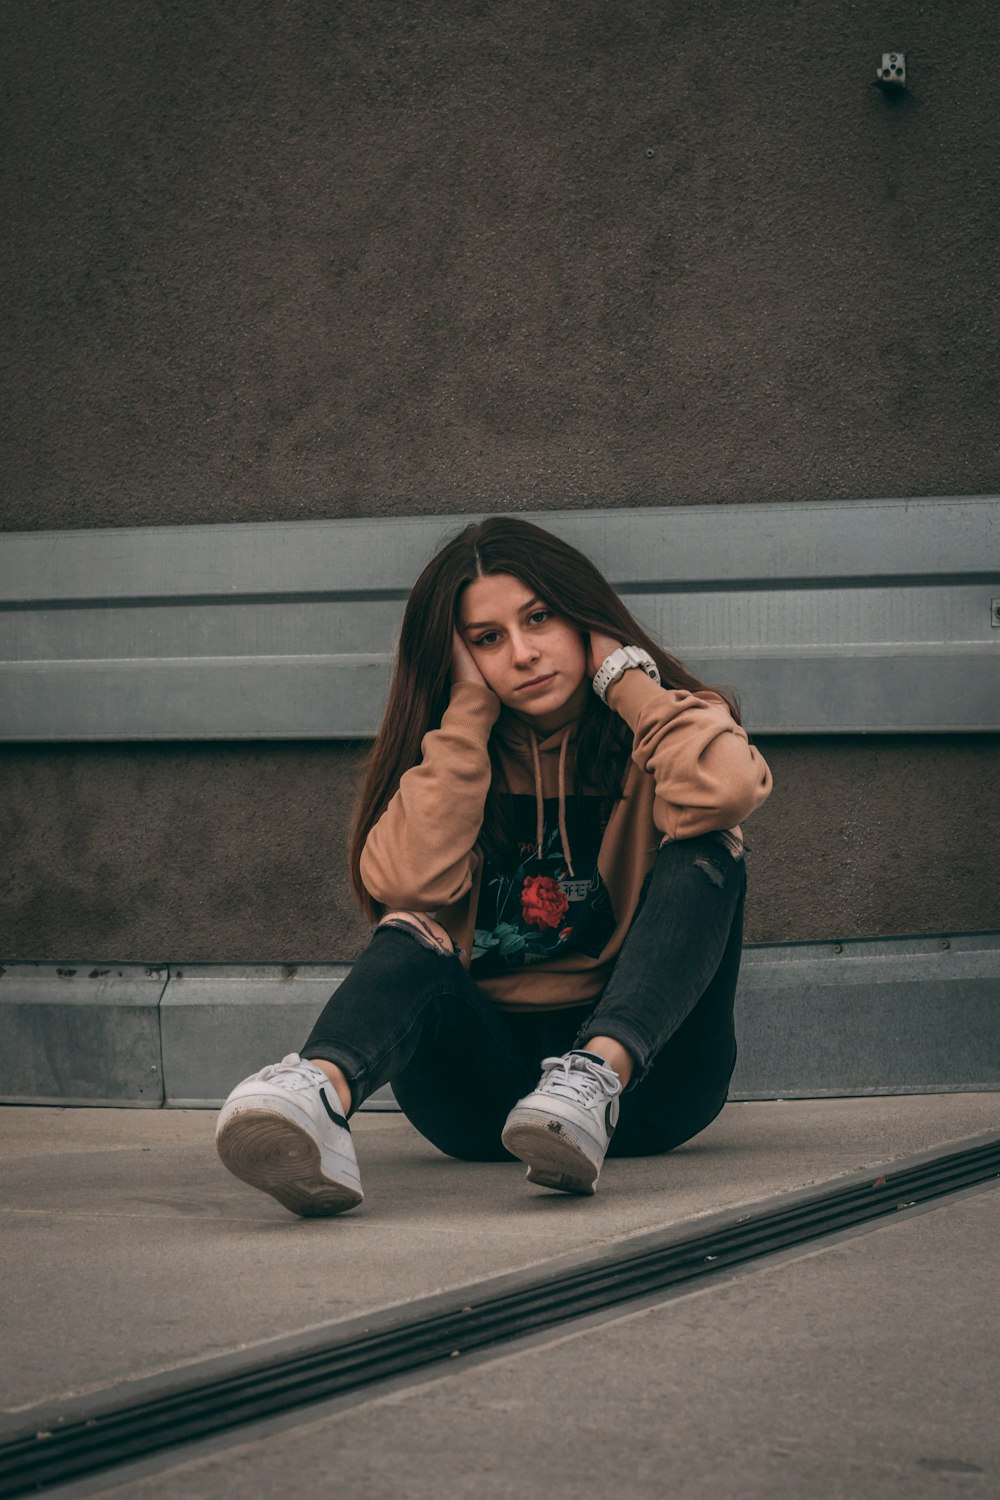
(862, 1016)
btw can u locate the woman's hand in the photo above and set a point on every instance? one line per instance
(463, 666)
(601, 647)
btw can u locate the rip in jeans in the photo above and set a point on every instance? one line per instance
(709, 867)
(420, 930)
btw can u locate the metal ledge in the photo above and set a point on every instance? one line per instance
(81, 1034)
(865, 1016)
(854, 617)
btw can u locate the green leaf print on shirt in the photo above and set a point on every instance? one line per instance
(505, 939)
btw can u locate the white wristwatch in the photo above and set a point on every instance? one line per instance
(620, 662)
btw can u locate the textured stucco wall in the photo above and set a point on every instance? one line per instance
(284, 261)
(276, 261)
(218, 852)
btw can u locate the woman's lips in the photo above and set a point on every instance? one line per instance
(540, 682)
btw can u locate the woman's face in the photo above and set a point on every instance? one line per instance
(516, 640)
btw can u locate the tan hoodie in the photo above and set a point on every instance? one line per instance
(693, 770)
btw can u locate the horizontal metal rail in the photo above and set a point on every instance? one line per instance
(199, 1408)
(829, 618)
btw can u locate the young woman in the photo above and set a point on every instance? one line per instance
(548, 846)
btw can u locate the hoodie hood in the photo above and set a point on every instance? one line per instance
(520, 746)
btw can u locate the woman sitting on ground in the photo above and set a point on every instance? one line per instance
(548, 846)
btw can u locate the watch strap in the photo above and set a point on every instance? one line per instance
(620, 662)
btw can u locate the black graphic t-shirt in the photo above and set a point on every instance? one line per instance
(539, 912)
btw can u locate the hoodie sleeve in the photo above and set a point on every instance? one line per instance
(707, 775)
(419, 853)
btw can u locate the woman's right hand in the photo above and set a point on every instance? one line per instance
(463, 666)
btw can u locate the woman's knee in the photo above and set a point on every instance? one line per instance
(715, 856)
(429, 933)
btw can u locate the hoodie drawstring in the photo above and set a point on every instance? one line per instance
(539, 802)
(562, 804)
(539, 806)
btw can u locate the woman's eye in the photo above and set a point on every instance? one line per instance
(489, 636)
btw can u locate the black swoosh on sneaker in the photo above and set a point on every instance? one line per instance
(337, 1119)
(609, 1121)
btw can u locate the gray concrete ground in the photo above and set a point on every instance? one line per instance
(126, 1248)
(867, 1368)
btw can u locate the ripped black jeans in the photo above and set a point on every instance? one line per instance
(412, 1016)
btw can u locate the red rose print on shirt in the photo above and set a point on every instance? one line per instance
(543, 903)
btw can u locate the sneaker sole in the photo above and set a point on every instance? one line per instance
(554, 1156)
(272, 1153)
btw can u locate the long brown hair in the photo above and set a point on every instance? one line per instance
(573, 587)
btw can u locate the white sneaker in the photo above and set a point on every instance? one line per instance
(279, 1131)
(563, 1129)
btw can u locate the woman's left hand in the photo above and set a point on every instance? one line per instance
(601, 647)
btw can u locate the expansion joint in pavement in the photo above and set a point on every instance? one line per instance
(59, 1444)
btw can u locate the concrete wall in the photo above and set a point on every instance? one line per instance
(222, 852)
(287, 261)
(312, 259)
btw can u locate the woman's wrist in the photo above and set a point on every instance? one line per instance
(482, 688)
(600, 648)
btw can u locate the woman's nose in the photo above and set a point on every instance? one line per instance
(522, 649)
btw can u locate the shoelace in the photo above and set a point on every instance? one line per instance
(581, 1080)
(295, 1071)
